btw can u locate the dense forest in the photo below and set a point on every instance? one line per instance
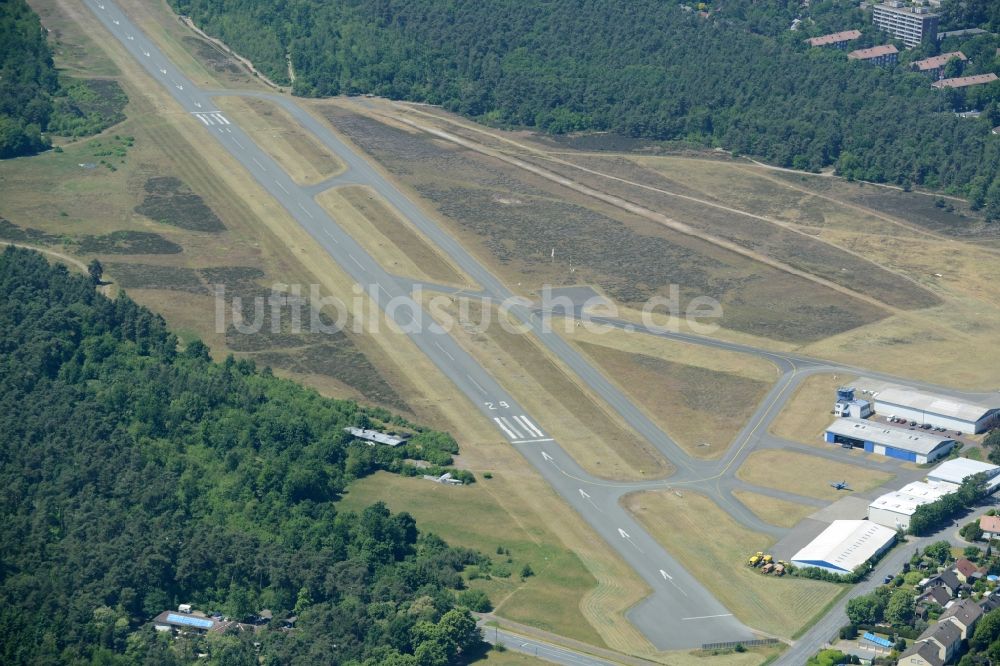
(136, 475)
(737, 78)
(33, 98)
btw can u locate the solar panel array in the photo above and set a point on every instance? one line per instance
(189, 621)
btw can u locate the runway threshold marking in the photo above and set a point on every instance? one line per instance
(505, 427)
(526, 423)
(512, 427)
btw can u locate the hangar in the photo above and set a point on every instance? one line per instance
(958, 470)
(912, 445)
(845, 545)
(896, 508)
(937, 410)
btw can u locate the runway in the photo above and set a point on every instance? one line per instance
(679, 613)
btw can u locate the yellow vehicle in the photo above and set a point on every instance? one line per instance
(767, 559)
(756, 559)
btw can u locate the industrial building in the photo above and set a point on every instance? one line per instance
(966, 81)
(959, 469)
(910, 445)
(375, 437)
(886, 54)
(911, 25)
(934, 66)
(845, 545)
(895, 509)
(838, 40)
(935, 409)
(848, 405)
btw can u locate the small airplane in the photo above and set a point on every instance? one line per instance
(115, 21)
(100, 6)
(131, 38)
(842, 485)
(163, 71)
(145, 53)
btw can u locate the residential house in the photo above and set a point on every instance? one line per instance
(990, 525)
(946, 579)
(966, 81)
(934, 66)
(946, 637)
(965, 569)
(963, 614)
(886, 54)
(920, 654)
(935, 596)
(838, 40)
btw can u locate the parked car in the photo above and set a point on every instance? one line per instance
(913, 423)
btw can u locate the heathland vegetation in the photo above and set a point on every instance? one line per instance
(34, 99)
(735, 77)
(138, 475)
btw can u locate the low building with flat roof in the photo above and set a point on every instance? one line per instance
(910, 445)
(886, 54)
(966, 81)
(838, 40)
(934, 66)
(844, 546)
(375, 437)
(184, 622)
(895, 509)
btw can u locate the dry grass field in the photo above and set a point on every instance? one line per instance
(393, 242)
(513, 221)
(910, 249)
(306, 160)
(810, 409)
(585, 426)
(807, 475)
(680, 386)
(773, 510)
(714, 548)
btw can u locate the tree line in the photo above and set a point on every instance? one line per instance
(34, 100)
(137, 474)
(738, 79)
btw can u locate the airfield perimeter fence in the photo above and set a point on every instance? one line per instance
(757, 642)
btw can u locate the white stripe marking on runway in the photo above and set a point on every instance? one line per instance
(332, 237)
(476, 383)
(510, 425)
(504, 428)
(355, 260)
(281, 186)
(444, 351)
(305, 210)
(204, 120)
(532, 441)
(255, 161)
(706, 617)
(532, 428)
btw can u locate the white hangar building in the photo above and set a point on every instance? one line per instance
(912, 445)
(937, 410)
(845, 545)
(958, 470)
(895, 509)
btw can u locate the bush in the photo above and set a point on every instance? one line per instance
(475, 600)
